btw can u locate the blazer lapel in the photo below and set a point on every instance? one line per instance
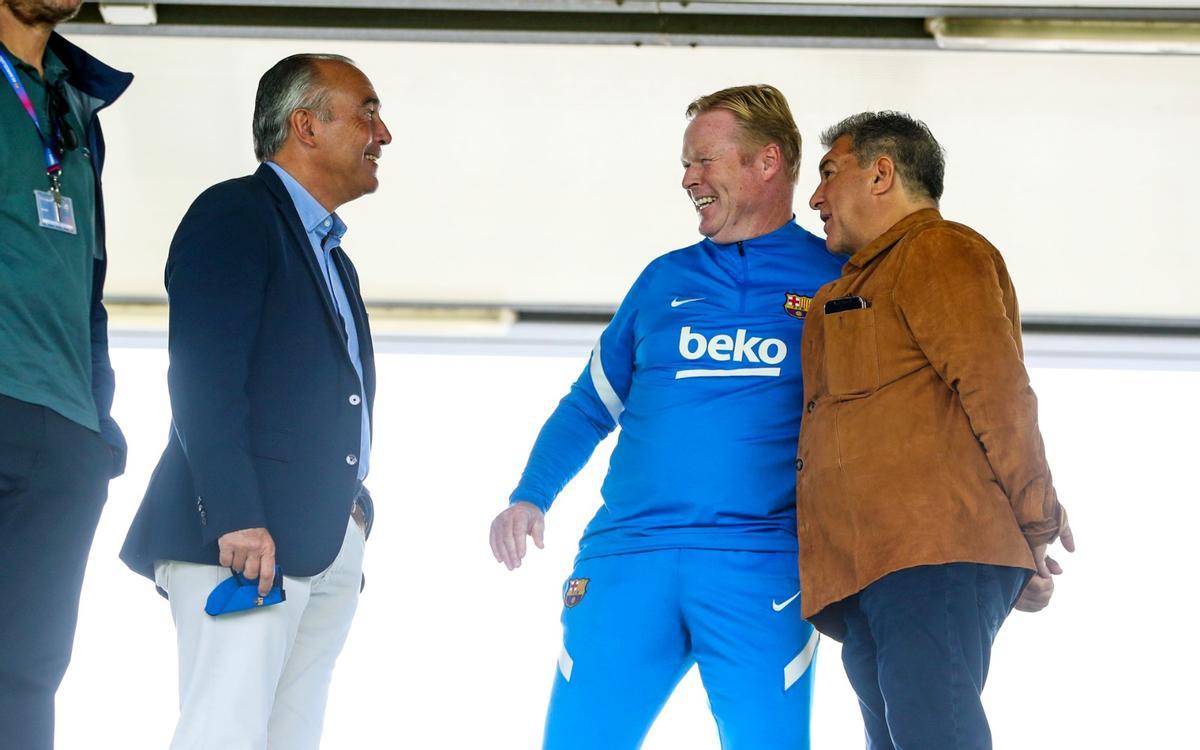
(300, 243)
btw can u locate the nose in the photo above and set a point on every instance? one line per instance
(818, 198)
(690, 180)
(382, 134)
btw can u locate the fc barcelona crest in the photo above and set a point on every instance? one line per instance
(576, 588)
(797, 305)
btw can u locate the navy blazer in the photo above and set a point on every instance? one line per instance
(266, 405)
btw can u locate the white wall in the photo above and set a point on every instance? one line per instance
(451, 651)
(549, 174)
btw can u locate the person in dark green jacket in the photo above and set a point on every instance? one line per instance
(59, 445)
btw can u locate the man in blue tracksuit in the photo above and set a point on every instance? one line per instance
(692, 557)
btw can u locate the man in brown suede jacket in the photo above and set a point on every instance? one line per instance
(924, 500)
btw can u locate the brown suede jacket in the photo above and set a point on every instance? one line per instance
(920, 444)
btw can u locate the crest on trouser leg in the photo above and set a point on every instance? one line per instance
(576, 588)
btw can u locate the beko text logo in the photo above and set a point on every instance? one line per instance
(739, 347)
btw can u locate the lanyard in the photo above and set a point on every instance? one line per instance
(53, 166)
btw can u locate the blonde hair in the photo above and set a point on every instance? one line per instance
(764, 117)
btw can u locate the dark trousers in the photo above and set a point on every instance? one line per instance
(917, 647)
(53, 483)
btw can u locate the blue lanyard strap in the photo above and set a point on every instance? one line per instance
(53, 166)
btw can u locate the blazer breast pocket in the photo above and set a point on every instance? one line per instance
(851, 355)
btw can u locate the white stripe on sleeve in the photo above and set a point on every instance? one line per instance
(604, 389)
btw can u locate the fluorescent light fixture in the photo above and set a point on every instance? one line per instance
(129, 14)
(1066, 35)
(441, 321)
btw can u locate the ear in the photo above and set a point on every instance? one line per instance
(883, 177)
(302, 124)
(770, 160)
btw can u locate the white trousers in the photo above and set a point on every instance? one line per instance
(259, 679)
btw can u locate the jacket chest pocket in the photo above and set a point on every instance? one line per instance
(851, 355)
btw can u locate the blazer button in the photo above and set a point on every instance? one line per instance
(351, 459)
(811, 405)
(354, 399)
(799, 464)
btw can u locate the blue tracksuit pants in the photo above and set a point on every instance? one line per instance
(633, 625)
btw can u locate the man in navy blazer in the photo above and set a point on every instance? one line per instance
(272, 382)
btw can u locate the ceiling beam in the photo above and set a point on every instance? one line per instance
(636, 22)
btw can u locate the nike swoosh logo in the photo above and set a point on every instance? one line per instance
(678, 302)
(779, 607)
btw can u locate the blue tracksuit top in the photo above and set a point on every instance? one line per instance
(700, 367)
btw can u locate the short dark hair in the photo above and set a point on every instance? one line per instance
(919, 158)
(292, 83)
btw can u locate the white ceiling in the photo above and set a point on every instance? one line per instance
(547, 175)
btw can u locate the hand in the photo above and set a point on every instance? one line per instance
(1036, 594)
(510, 528)
(250, 552)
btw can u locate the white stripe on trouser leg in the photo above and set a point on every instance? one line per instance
(799, 665)
(565, 664)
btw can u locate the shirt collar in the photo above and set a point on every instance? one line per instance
(885, 241)
(313, 216)
(53, 67)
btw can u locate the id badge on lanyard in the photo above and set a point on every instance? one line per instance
(54, 210)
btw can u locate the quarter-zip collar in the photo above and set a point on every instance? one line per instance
(784, 239)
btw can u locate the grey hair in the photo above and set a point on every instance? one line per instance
(292, 83)
(920, 160)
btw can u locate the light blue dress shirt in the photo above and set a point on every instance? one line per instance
(325, 231)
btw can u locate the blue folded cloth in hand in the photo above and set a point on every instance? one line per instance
(238, 592)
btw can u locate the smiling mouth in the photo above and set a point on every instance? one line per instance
(703, 203)
(373, 158)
